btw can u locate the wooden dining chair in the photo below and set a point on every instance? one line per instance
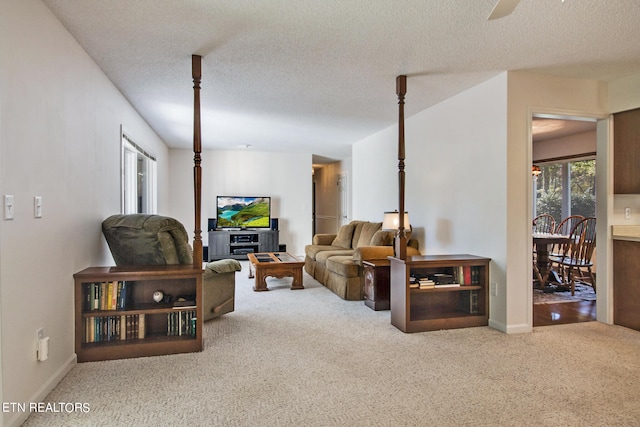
(544, 223)
(564, 227)
(575, 261)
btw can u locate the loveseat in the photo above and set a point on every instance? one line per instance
(335, 260)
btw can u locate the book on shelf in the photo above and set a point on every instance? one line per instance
(426, 283)
(114, 328)
(181, 323)
(442, 278)
(141, 328)
(105, 296)
(447, 285)
(469, 301)
(466, 275)
(182, 301)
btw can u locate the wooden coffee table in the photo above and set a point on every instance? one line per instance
(274, 264)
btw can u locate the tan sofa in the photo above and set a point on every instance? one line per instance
(335, 260)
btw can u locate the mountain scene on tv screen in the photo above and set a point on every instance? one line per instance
(248, 213)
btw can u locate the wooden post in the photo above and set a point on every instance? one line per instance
(196, 71)
(401, 238)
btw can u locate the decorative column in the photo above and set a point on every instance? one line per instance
(401, 237)
(196, 71)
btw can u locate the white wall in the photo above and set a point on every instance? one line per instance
(534, 94)
(375, 175)
(59, 139)
(468, 176)
(286, 177)
(624, 94)
(584, 142)
(455, 175)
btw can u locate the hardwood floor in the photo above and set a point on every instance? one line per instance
(563, 313)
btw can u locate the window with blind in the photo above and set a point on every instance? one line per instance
(139, 182)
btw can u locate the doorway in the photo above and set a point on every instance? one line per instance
(564, 183)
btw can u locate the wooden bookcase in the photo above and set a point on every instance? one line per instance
(418, 310)
(134, 325)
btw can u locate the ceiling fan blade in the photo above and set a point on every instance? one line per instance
(503, 8)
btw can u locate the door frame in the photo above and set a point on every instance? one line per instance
(604, 203)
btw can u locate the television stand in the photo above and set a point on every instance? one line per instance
(236, 244)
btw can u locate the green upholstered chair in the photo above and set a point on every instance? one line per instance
(142, 239)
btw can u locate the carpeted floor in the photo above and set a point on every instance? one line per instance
(582, 293)
(309, 358)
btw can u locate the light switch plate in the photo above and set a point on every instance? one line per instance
(37, 206)
(8, 206)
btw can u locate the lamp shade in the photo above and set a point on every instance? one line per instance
(391, 220)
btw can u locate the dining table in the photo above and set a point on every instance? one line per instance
(542, 242)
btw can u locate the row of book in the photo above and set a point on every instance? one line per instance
(132, 326)
(467, 275)
(114, 328)
(181, 322)
(105, 295)
(459, 276)
(469, 301)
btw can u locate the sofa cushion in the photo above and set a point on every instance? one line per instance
(312, 251)
(345, 234)
(367, 232)
(344, 265)
(323, 256)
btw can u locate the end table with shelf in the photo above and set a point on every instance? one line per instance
(114, 324)
(376, 284)
(458, 305)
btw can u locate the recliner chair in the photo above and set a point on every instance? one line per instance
(142, 239)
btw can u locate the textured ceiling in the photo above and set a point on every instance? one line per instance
(315, 76)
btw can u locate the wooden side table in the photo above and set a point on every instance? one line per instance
(376, 284)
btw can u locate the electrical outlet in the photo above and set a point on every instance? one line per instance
(627, 213)
(39, 341)
(493, 289)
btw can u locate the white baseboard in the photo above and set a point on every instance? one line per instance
(519, 329)
(497, 325)
(44, 391)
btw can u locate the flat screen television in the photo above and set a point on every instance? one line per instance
(243, 212)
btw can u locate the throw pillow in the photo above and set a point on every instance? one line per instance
(343, 239)
(382, 238)
(368, 230)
